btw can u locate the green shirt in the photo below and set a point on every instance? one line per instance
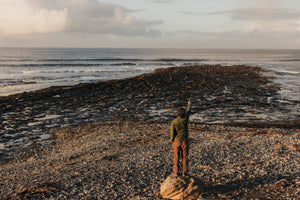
(179, 127)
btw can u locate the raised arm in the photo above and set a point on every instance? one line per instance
(188, 110)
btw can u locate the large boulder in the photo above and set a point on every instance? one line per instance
(181, 187)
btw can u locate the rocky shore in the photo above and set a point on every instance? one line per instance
(231, 94)
(109, 140)
(126, 160)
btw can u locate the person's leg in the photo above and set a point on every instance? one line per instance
(185, 153)
(176, 146)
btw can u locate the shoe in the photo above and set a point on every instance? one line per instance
(175, 175)
(185, 175)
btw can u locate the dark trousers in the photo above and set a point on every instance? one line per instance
(181, 147)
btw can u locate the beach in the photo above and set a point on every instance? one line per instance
(110, 139)
(125, 160)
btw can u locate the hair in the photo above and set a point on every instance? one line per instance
(180, 112)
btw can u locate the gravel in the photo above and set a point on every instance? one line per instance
(127, 160)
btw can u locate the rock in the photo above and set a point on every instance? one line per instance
(181, 188)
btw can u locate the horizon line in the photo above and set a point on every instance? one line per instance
(169, 48)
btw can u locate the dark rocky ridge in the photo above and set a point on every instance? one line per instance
(168, 86)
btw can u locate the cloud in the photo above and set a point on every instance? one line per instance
(190, 13)
(19, 17)
(108, 18)
(163, 1)
(84, 16)
(255, 31)
(265, 19)
(264, 14)
(207, 34)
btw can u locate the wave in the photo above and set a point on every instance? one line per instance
(17, 60)
(287, 72)
(66, 71)
(123, 60)
(97, 62)
(10, 83)
(181, 60)
(290, 60)
(52, 65)
(68, 65)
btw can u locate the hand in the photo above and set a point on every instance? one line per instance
(189, 102)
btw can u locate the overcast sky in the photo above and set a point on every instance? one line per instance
(150, 23)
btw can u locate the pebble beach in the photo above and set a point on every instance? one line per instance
(110, 139)
(130, 160)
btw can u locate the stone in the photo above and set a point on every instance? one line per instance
(181, 187)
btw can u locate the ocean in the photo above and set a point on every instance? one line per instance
(28, 69)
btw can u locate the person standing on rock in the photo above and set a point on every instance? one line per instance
(179, 138)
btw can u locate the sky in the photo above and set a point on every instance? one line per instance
(247, 24)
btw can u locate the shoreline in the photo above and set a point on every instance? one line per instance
(220, 95)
